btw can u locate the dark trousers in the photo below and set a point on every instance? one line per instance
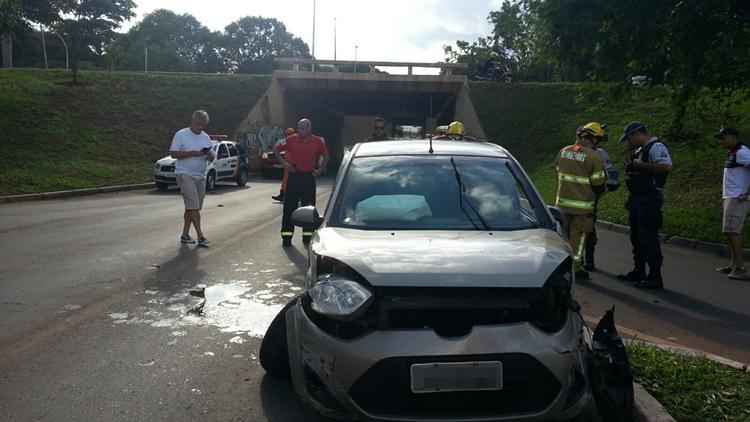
(300, 192)
(645, 216)
(590, 246)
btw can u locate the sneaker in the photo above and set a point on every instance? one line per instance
(278, 198)
(187, 240)
(203, 242)
(739, 274)
(632, 277)
(725, 270)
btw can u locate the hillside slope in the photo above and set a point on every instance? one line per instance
(110, 129)
(535, 120)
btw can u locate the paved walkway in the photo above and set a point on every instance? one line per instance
(698, 308)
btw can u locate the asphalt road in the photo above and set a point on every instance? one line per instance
(94, 298)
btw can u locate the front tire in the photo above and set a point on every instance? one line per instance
(211, 181)
(274, 350)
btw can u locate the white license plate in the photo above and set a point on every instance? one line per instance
(458, 376)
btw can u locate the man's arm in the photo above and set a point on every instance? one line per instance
(322, 159)
(176, 151)
(661, 161)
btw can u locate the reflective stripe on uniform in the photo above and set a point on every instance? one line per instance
(287, 234)
(307, 233)
(571, 203)
(574, 179)
(598, 177)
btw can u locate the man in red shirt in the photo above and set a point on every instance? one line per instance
(306, 158)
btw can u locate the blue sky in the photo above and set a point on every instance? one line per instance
(391, 30)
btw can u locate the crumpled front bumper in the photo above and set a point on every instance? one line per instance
(347, 378)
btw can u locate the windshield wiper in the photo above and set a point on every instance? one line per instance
(468, 201)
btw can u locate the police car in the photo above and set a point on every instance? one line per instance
(229, 165)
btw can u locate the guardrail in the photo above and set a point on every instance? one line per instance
(310, 65)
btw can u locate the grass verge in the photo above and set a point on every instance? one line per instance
(535, 120)
(109, 129)
(692, 389)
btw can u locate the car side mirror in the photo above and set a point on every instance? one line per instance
(307, 217)
(559, 217)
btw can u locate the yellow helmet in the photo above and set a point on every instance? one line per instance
(456, 128)
(594, 129)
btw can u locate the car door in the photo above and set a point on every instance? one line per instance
(222, 162)
(234, 159)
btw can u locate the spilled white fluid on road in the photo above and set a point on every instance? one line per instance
(234, 307)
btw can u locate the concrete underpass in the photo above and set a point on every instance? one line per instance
(343, 105)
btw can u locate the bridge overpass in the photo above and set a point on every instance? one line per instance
(343, 97)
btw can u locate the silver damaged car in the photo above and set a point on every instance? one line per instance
(439, 288)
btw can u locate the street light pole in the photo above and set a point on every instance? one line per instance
(315, 10)
(145, 59)
(44, 47)
(335, 40)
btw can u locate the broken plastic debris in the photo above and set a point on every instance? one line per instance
(72, 307)
(179, 333)
(237, 340)
(148, 363)
(119, 315)
(238, 356)
(209, 354)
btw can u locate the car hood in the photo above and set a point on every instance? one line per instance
(166, 161)
(518, 259)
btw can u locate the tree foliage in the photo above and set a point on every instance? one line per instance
(251, 44)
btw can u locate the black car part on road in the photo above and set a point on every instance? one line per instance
(274, 350)
(611, 374)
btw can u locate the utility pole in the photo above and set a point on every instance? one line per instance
(315, 9)
(44, 47)
(335, 40)
(145, 59)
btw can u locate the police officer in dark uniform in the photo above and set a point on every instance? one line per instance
(647, 166)
(306, 158)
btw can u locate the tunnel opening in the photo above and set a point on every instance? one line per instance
(345, 118)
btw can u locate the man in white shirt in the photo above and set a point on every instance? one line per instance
(191, 147)
(735, 194)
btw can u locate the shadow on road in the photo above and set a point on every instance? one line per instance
(298, 258)
(713, 322)
(281, 404)
(179, 272)
(221, 189)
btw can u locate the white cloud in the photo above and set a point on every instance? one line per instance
(392, 30)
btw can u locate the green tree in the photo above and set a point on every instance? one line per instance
(91, 24)
(251, 44)
(178, 43)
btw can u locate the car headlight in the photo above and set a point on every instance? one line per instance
(339, 298)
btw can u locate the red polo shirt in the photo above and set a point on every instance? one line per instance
(303, 153)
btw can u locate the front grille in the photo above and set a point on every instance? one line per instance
(167, 169)
(450, 312)
(385, 390)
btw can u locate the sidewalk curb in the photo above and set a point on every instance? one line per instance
(647, 408)
(719, 249)
(74, 192)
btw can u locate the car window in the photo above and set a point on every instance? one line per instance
(223, 151)
(433, 193)
(232, 150)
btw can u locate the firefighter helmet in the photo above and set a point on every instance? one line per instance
(456, 129)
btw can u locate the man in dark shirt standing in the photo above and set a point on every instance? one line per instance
(306, 158)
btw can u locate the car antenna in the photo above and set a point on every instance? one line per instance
(432, 151)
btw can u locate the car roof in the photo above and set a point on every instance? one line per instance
(422, 147)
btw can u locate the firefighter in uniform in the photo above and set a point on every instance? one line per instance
(599, 132)
(646, 167)
(581, 179)
(456, 132)
(305, 159)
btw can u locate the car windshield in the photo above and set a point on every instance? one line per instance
(433, 193)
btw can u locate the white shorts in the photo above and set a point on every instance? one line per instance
(193, 191)
(735, 213)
